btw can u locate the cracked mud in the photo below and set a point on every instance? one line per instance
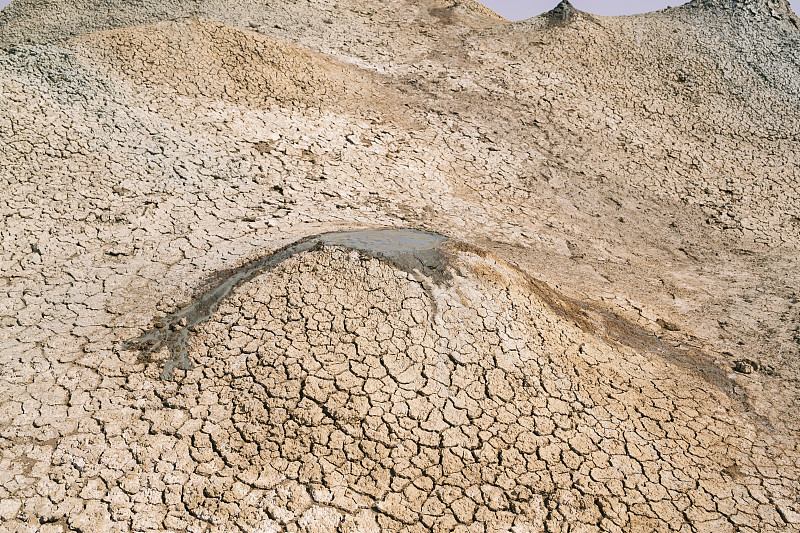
(403, 246)
(607, 340)
(327, 393)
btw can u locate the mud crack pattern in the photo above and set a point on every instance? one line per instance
(329, 396)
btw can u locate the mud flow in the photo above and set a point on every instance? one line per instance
(409, 249)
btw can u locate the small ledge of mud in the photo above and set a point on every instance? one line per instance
(411, 250)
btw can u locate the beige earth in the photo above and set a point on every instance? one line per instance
(608, 340)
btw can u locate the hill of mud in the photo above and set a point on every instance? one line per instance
(401, 266)
(202, 59)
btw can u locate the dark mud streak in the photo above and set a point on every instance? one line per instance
(407, 249)
(172, 331)
(615, 329)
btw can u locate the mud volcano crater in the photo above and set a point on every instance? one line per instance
(404, 381)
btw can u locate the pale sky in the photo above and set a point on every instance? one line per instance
(522, 9)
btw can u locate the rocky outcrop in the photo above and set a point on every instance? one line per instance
(562, 13)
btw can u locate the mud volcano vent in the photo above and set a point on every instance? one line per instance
(406, 382)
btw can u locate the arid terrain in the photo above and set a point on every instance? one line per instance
(398, 265)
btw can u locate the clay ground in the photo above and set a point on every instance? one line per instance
(642, 170)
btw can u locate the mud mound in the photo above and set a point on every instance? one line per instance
(465, 12)
(476, 7)
(53, 21)
(201, 58)
(664, 77)
(346, 389)
(773, 8)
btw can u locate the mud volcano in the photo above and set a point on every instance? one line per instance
(412, 248)
(405, 382)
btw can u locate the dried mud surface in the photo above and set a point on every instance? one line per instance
(609, 340)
